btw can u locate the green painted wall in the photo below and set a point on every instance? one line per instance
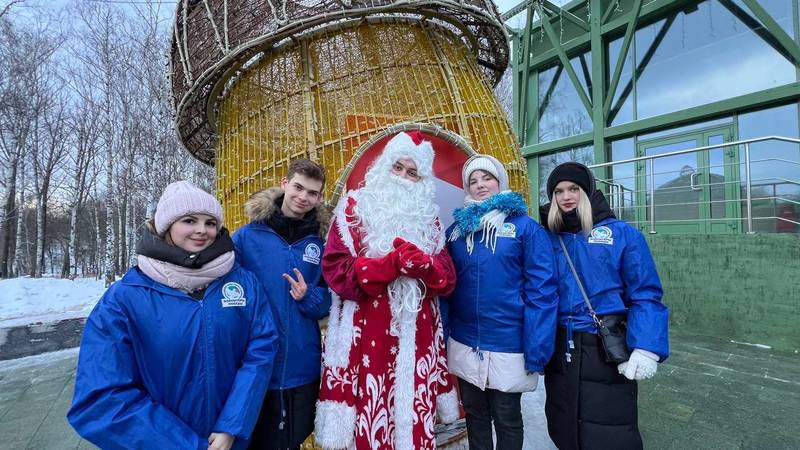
(740, 287)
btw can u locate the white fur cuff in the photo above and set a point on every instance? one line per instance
(335, 424)
(339, 336)
(447, 406)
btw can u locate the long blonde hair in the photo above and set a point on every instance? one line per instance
(555, 219)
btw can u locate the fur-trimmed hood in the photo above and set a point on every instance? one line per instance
(261, 206)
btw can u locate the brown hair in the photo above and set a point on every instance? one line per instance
(151, 227)
(308, 168)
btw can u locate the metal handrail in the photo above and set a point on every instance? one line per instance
(710, 166)
(727, 200)
(782, 180)
(723, 219)
(697, 149)
(617, 190)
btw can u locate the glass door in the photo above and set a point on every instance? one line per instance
(690, 193)
(722, 178)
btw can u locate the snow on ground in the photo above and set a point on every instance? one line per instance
(41, 300)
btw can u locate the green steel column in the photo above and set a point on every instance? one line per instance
(525, 47)
(516, 39)
(533, 186)
(796, 17)
(598, 89)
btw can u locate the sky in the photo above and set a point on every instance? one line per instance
(32, 6)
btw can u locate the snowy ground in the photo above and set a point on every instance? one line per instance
(42, 300)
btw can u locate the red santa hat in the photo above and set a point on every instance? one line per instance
(405, 145)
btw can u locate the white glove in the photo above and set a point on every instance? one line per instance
(640, 366)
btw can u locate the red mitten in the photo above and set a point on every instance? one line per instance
(412, 262)
(442, 276)
(415, 265)
(401, 245)
(374, 274)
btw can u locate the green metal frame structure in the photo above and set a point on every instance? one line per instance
(583, 26)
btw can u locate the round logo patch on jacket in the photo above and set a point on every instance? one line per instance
(508, 230)
(233, 295)
(311, 253)
(601, 235)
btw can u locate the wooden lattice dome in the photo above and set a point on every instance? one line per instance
(256, 86)
(212, 36)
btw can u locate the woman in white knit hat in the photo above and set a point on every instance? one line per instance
(178, 353)
(502, 313)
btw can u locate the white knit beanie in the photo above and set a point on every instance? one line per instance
(488, 164)
(182, 198)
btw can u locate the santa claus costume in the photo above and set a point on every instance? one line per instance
(385, 372)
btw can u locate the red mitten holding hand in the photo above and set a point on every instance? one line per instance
(412, 262)
(374, 274)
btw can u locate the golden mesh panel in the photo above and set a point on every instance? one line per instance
(324, 96)
(213, 36)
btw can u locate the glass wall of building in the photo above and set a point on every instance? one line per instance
(694, 75)
(775, 168)
(705, 53)
(561, 112)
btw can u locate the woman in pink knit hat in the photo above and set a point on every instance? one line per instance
(178, 353)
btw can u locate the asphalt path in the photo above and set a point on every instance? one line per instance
(33, 339)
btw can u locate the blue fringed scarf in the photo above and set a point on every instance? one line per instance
(488, 215)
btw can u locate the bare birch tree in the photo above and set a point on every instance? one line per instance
(49, 154)
(27, 52)
(116, 148)
(85, 130)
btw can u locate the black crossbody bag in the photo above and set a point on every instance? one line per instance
(612, 329)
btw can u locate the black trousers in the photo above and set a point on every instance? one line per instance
(589, 404)
(485, 407)
(286, 418)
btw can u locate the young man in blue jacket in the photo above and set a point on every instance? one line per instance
(282, 245)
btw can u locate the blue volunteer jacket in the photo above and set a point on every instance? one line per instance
(619, 275)
(506, 301)
(260, 249)
(159, 369)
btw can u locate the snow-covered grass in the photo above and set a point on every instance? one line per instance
(26, 301)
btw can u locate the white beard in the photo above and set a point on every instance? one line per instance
(390, 207)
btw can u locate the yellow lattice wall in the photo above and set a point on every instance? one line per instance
(326, 94)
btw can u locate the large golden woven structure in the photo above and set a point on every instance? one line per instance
(259, 83)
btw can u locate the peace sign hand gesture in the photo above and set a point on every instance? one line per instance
(297, 288)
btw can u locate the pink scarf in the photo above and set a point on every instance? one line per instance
(183, 278)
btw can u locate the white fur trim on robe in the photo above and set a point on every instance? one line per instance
(447, 406)
(405, 363)
(334, 425)
(342, 224)
(339, 334)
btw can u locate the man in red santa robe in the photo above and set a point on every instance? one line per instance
(385, 372)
